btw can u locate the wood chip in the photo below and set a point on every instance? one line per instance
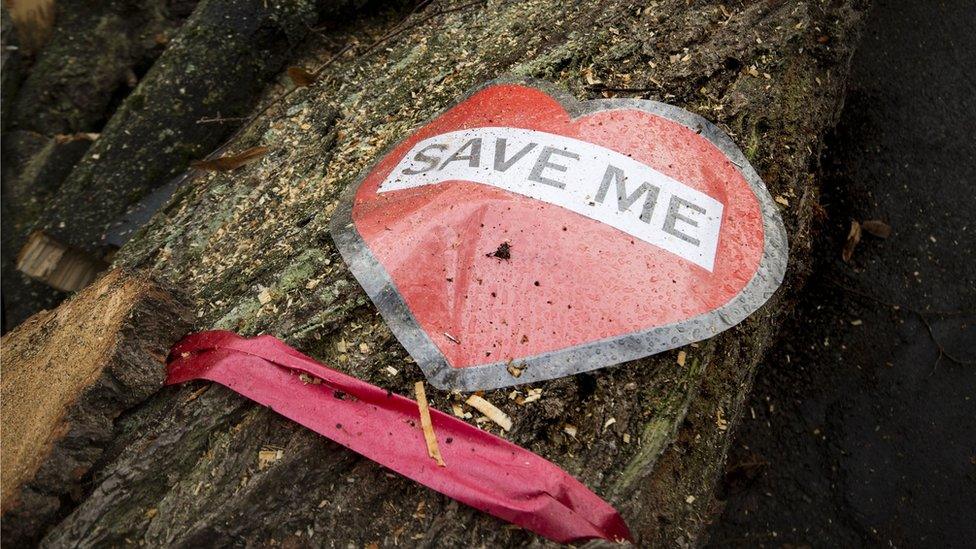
(231, 161)
(490, 411)
(533, 395)
(570, 430)
(853, 237)
(876, 228)
(62, 138)
(309, 380)
(514, 370)
(682, 357)
(268, 456)
(720, 420)
(432, 450)
(392, 371)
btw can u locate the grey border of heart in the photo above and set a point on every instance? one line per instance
(587, 356)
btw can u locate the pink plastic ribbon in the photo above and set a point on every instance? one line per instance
(483, 471)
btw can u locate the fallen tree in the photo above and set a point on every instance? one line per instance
(252, 250)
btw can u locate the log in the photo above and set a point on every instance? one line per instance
(67, 376)
(95, 54)
(251, 248)
(216, 64)
(32, 169)
(56, 101)
(11, 65)
(220, 59)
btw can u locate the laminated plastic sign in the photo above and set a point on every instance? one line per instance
(522, 235)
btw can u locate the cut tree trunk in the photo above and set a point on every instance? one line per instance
(185, 471)
(67, 376)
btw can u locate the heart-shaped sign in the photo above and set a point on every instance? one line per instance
(522, 235)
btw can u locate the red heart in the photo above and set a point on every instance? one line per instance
(570, 281)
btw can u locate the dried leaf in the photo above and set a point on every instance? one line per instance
(853, 237)
(232, 161)
(301, 77)
(432, 450)
(877, 228)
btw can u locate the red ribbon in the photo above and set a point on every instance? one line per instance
(483, 471)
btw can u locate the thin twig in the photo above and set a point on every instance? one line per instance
(220, 119)
(603, 88)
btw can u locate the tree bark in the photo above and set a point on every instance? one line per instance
(96, 52)
(185, 472)
(217, 63)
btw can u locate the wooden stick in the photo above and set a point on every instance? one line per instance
(432, 450)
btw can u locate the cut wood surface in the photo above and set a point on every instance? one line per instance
(67, 375)
(251, 247)
(57, 265)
